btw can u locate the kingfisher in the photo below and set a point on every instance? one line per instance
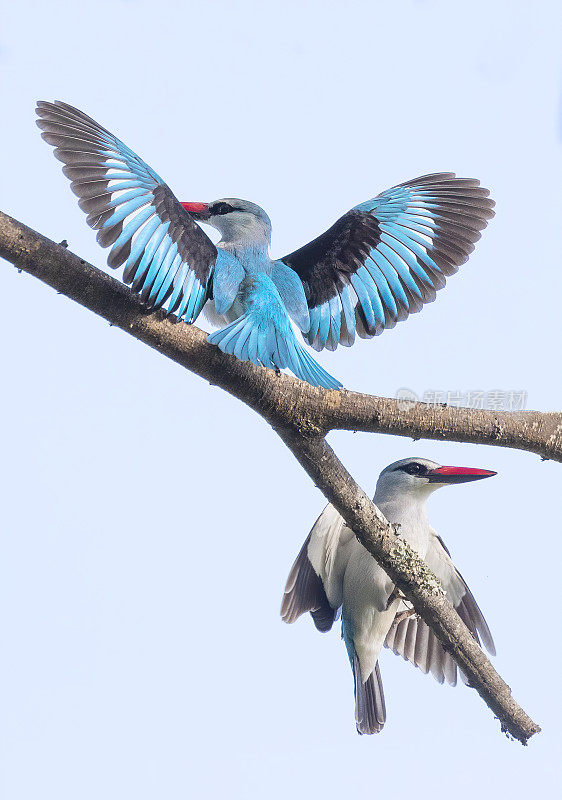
(334, 573)
(377, 264)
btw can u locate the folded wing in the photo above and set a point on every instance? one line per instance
(167, 257)
(412, 639)
(387, 257)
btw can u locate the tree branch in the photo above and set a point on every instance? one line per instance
(302, 415)
(275, 397)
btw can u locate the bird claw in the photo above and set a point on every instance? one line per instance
(404, 615)
(395, 594)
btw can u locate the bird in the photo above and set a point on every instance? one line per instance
(378, 263)
(335, 575)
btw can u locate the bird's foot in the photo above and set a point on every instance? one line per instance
(404, 615)
(395, 594)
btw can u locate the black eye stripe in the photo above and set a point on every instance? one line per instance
(222, 208)
(413, 469)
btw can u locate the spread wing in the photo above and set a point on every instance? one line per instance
(412, 639)
(387, 257)
(167, 256)
(318, 572)
(304, 591)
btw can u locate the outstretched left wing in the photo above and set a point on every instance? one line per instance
(167, 256)
(412, 639)
(387, 257)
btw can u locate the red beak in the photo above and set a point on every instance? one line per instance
(458, 474)
(195, 208)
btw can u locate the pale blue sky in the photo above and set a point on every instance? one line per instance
(150, 520)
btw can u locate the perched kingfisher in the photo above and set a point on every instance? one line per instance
(333, 570)
(377, 264)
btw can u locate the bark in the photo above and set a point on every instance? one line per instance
(302, 415)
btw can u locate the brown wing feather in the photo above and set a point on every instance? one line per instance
(304, 592)
(412, 639)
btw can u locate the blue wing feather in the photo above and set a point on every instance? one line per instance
(393, 252)
(227, 277)
(164, 291)
(137, 275)
(374, 297)
(291, 291)
(347, 320)
(135, 213)
(387, 298)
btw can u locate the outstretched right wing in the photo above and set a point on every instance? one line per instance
(412, 639)
(304, 591)
(315, 581)
(167, 256)
(387, 257)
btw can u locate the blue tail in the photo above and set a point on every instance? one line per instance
(264, 336)
(265, 345)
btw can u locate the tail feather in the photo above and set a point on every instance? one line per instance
(263, 343)
(242, 341)
(282, 350)
(253, 346)
(370, 709)
(229, 336)
(310, 364)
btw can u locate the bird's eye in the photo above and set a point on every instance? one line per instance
(415, 469)
(220, 208)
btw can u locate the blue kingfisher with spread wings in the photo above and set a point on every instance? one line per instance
(381, 261)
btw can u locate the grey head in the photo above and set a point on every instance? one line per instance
(240, 222)
(419, 477)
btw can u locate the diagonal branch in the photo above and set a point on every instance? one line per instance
(302, 415)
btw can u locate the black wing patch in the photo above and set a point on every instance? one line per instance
(304, 592)
(326, 263)
(387, 257)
